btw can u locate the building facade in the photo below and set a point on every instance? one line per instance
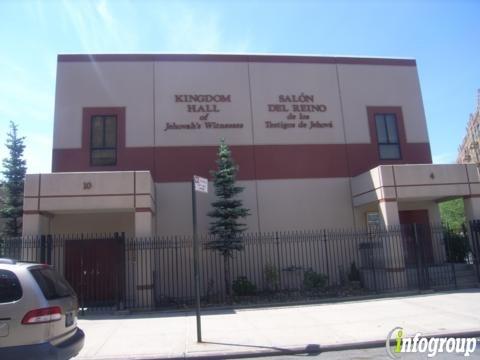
(321, 142)
(468, 151)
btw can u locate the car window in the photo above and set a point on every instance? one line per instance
(52, 284)
(10, 289)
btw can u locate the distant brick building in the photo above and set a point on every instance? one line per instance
(469, 151)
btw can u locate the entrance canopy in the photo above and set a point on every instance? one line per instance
(390, 184)
(105, 200)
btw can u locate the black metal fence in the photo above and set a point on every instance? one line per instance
(116, 272)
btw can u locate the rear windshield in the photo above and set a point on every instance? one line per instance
(52, 284)
(10, 289)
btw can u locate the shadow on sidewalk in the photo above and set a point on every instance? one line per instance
(122, 315)
(309, 349)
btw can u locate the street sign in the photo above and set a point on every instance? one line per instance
(201, 184)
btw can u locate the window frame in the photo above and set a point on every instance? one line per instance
(387, 133)
(84, 158)
(103, 147)
(405, 149)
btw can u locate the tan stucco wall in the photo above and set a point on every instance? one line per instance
(116, 190)
(105, 84)
(203, 78)
(269, 81)
(362, 85)
(174, 208)
(100, 223)
(415, 182)
(305, 204)
(147, 89)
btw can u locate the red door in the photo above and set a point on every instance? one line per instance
(420, 218)
(93, 267)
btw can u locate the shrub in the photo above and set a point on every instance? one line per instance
(457, 246)
(313, 280)
(242, 286)
(271, 277)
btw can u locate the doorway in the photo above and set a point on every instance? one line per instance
(422, 229)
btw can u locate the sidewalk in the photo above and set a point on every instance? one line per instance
(227, 333)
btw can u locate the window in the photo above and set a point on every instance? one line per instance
(10, 289)
(103, 140)
(53, 286)
(387, 136)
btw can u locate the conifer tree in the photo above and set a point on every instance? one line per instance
(14, 169)
(227, 212)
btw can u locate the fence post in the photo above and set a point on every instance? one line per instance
(372, 247)
(474, 224)
(49, 250)
(326, 254)
(277, 242)
(42, 249)
(452, 263)
(418, 258)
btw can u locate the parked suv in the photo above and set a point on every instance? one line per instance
(38, 313)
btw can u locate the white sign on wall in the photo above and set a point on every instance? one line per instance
(201, 184)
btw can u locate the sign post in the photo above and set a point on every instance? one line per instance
(201, 185)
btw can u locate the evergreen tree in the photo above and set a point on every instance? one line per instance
(14, 169)
(227, 211)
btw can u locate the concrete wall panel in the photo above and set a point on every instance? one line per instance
(90, 203)
(100, 223)
(100, 183)
(174, 208)
(371, 85)
(272, 83)
(432, 192)
(103, 84)
(429, 174)
(229, 80)
(31, 185)
(306, 204)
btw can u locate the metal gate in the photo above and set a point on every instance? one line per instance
(95, 269)
(475, 244)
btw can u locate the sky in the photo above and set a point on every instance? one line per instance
(443, 36)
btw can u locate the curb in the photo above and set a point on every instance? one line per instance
(310, 349)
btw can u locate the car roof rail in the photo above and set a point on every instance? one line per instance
(8, 261)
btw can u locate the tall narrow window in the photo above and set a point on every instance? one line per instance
(103, 140)
(387, 136)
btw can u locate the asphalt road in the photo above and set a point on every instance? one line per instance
(375, 354)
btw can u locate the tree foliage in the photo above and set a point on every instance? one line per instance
(228, 210)
(452, 213)
(14, 169)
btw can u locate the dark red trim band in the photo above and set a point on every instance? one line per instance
(85, 195)
(300, 59)
(262, 162)
(143, 209)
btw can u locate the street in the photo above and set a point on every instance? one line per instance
(371, 354)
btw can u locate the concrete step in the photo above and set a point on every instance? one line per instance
(464, 267)
(473, 285)
(461, 275)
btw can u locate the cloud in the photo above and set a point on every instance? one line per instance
(38, 153)
(96, 27)
(103, 11)
(194, 30)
